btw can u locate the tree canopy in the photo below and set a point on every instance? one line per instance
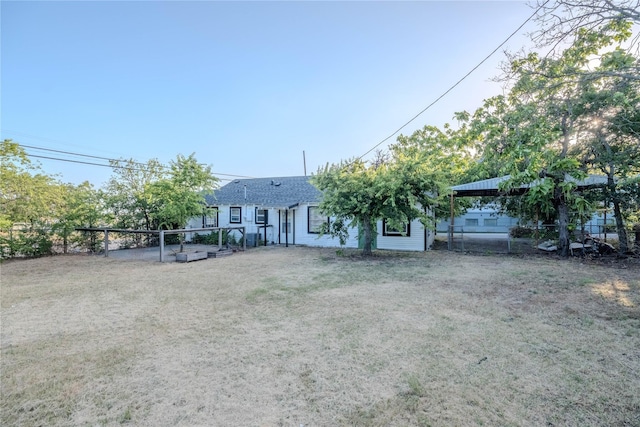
(37, 210)
(357, 194)
(571, 112)
(566, 116)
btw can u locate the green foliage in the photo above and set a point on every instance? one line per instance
(48, 212)
(358, 194)
(180, 196)
(560, 121)
(231, 238)
(36, 209)
(28, 196)
(126, 193)
(212, 238)
(82, 207)
(25, 243)
(439, 159)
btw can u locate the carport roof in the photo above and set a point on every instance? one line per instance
(490, 187)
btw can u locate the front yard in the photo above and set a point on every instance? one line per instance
(302, 336)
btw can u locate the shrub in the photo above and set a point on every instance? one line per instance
(210, 238)
(520, 231)
(25, 243)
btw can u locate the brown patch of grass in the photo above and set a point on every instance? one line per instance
(290, 336)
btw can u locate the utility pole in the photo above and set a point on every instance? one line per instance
(304, 161)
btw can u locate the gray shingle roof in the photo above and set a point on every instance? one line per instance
(279, 192)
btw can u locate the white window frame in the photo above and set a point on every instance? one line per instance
(211, 213)
(388, 231)
(264, 215)
(237, 216)
(314, 223)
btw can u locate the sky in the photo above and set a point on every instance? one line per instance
(247, 87)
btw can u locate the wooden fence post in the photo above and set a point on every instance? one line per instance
(161, 245)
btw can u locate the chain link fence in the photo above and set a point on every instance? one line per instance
(529, 240)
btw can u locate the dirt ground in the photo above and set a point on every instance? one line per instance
(317, 337)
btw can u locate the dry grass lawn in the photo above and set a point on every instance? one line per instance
(303, 336)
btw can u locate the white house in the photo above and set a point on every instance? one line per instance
(286, 210)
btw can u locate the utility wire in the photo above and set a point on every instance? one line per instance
(458, 82)
(74, 154)
(87, 163)
(143, 165)
(106, 166)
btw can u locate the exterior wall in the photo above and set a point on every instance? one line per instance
(415, 241)
(247, 219)
(304, 237)
(474, 221)
(480, 221)
(300, 234)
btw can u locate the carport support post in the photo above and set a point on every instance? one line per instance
(161, 245)
(106, 242)
(450, 239)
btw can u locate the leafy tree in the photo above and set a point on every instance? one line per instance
(127, 200)
(172, 201)
(29, 201)
(82, 208)
(533, 132)
(357, 195)
(447, 157)
(560, 20)
(609, 139)
(26, 195)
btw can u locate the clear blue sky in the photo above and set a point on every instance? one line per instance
(246, 86)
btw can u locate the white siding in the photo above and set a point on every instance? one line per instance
(300, 234)
(303, 237)
(413, 242)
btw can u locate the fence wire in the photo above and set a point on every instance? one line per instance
(521, 240)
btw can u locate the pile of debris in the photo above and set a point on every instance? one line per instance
(588, 245)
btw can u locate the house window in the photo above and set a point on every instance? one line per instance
(471, 222)
(315, 219)
(491, 222)
(210, 217)
(235, 215)
(387, 230)
(261, 216)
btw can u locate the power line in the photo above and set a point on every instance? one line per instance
(116, 161)
(458, 82)
(42, 138)
(106, 166)
(74, 154)
(87, 163)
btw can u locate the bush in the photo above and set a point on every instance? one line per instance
(23, 243)
(521, 231)
(545, 232)
(209, 238)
